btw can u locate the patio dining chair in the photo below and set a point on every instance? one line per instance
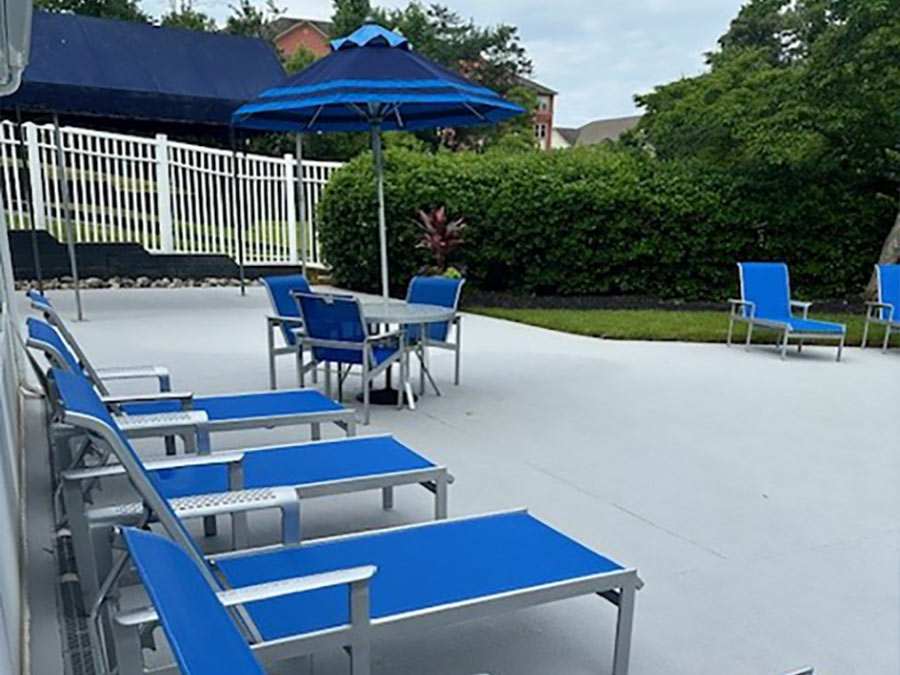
(286, 320)
(885, 312)
(766, 304)
(336, 333)
(422, 576)
(236, 482)
(443, 292)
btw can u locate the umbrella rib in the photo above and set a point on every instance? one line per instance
(315, 117)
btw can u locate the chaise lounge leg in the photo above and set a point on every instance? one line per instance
(784, 346)
(730, 331)
(271, 345)
(841, 347)
(210, 529)
(887, 338)
(749, 336)
(624, 627)
(440, 499)
(458, 349)
(360, 649)
(865, 339)
(387, 498)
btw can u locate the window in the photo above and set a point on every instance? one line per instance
(543, 103)
(540, 131)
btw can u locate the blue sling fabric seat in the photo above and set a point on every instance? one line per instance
(203, 637)
(286, 320)
(224, 407)
(418, 568)
(766, 304)
(886, 311)
(434, 573)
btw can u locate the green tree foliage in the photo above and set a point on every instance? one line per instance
(183, 15)
(799, 90)
(124, 10)
(349, 15)
(249, 20)
(602, 220)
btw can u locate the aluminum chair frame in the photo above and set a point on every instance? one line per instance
(99, 375)
(744, 311)
(420, 348)
(284, 324)
(874, 311)
(370, 369)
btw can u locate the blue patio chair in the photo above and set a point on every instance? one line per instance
(336, 333)
(428, 575)
(766, 304)
(100, 375)
(166, 414)
(443, 292)
(286, 320)
(885, 312)
(239, 481)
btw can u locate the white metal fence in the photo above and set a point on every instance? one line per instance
(170, 197)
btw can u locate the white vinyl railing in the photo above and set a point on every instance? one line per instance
(170, 197)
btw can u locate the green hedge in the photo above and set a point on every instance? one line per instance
(600, 221)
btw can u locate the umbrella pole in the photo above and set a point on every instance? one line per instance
(301, 200)
(63, 180)
(237, 207)
(27, 189)
(377, 150)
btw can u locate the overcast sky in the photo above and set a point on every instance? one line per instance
(596, 53)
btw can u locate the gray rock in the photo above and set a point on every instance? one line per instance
(142, 282)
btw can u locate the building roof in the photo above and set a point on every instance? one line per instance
(88, 67)
(598, 131)
(283, 24)
(536, 86)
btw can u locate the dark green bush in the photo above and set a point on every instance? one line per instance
(604, 221)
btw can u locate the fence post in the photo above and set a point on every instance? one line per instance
(164, 195)
(290, 191)
(35, 172)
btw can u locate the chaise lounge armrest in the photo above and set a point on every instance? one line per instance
(800, 304)
(872, 307)
(110, 470)
(160, 373)
(737, 304)
(266, 591)
(274, 318)
(186, 397)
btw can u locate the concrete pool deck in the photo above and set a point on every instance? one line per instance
(757, 498)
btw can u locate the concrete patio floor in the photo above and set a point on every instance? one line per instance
(757, 498)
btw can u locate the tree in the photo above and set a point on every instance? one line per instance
(798, 90)
(123, 10)
(183, 15)
(349, 15)
(299, 60)
(250, 21)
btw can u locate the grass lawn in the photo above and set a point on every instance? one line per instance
(683, 326)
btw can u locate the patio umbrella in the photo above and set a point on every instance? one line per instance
(373, 81)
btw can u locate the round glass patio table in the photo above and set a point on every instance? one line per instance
(402, 314)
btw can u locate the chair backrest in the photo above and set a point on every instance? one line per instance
(889, 289)
(337, 318)
(439, 291)
(281, 290)
(83, 408)
(43, 336)
(768, 286)
(40, 302)
(202, 635)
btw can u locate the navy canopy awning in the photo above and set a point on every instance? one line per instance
(132, 73)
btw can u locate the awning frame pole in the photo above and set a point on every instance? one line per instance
(29, 196)
(237, 205)
(300, 196)
(63, 180)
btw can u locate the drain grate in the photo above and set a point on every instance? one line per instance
(78, 658)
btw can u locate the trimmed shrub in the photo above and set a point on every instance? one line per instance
(599, 221)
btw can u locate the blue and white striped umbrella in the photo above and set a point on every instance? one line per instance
(374, 81)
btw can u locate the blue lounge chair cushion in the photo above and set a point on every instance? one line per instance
(281, 291)
(203, 637)
(297, 465)
(418, 568)
(245, 406)
(39, 301)
(889, 290)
